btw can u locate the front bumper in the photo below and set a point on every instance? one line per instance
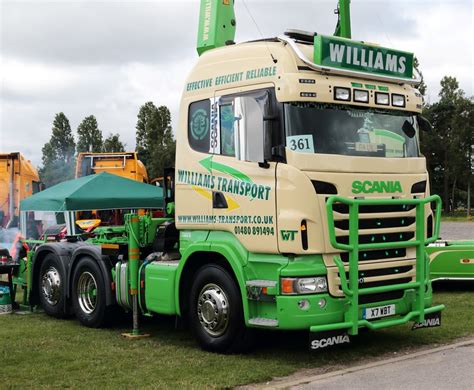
(332, 315)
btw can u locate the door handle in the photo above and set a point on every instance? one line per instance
(218, 200)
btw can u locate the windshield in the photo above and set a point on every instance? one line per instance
(344, 130)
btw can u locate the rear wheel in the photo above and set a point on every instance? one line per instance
(51, 286)
(88, 294)
(215, 311)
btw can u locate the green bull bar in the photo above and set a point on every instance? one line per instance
(351, 287)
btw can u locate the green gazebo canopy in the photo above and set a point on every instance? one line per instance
(102, 191)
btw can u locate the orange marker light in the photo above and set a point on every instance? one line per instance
(265, 291)
(287, 286)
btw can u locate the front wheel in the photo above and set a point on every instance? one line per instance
(215, 311)
(88, 294)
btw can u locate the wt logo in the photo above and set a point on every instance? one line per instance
(288, 235)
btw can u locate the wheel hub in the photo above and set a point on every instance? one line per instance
(51, 286)
(213, 310)
(87, 292)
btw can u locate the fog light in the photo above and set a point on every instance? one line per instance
(322, 303)
(361, 96)
(382, 98)
(398, 100)
(342, 94)
(304, 304)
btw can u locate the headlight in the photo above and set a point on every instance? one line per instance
(382, 98)
(398, 100)
(361, 96)
(311, 285)
(342, 94)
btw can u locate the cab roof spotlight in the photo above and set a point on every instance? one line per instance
(361, 96)
(343, 94)
(398, 100)
(382, 98)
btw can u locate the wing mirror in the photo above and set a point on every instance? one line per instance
(423, 123)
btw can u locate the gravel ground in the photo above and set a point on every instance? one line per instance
(457, 230)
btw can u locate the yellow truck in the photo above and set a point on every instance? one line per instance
(124, 164)
(18, 180)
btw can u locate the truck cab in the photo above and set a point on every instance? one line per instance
(124, 164)
(264, 141)
(18, 180)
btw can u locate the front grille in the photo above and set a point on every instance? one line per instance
(380, 254)
(368, 273)
(385, 296)
(377, 224)
(376, 238)
(388, 274)
(365, 209)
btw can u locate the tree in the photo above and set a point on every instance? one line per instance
(155, 144)
(89, 136)
(112, 144)
(58, 153)
(422, 85)
(448, 148)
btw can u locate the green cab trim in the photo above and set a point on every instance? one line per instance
(223, 243)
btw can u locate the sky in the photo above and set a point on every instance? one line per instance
(107, 58)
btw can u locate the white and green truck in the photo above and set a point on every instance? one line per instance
(299, 199)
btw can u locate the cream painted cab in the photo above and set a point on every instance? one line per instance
(263, 141)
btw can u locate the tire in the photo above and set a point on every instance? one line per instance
(215, 312)
(51, 286)
(88, 294)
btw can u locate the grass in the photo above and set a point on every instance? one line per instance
(457, 216)
(38, 351)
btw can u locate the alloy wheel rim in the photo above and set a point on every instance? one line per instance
(213, 310)
(87, 292)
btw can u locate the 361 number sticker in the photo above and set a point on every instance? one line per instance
(301, 143)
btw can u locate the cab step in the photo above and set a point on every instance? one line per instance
(259, 321)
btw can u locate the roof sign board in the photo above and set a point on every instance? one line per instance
(358, 56)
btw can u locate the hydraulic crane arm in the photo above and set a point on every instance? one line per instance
(216, 24)
(343, 27)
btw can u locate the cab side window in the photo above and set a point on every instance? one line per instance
(199, 125)
(230, 125)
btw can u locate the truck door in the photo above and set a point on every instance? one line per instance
(243, 196)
